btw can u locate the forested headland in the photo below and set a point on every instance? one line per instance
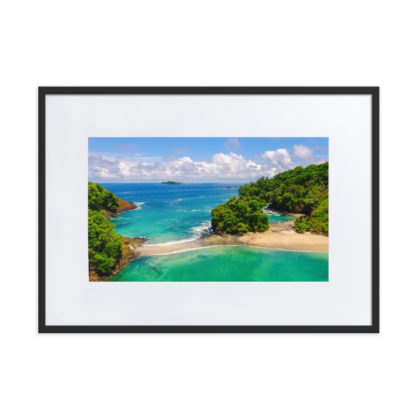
(106, 248)
(300, 190)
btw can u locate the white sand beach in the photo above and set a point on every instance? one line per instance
(280, 236)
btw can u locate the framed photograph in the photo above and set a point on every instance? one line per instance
(209, 209)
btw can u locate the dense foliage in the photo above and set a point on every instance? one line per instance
(317, 220)
(104, 244)
(99, 198)
(300, 190)
(240, 215)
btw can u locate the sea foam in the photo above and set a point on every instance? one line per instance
(138, 205)
(198, 231)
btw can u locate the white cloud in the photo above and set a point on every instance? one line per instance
(232, 144)
(302, 152)
(279, 158)
(102, 167)
(219, 166)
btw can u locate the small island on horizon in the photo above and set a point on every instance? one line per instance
(171, 183)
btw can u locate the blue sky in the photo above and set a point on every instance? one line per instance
(199, 159)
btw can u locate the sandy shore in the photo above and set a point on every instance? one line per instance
(279, 236)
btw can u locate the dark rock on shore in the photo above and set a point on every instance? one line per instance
(130, 252)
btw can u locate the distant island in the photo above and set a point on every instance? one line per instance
(172, 183)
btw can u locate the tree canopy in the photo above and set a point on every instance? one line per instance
(300, 190)
(100, 198)
(240, 215)
(104, 244)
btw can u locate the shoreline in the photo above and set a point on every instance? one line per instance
(130, 249)
(280, 236)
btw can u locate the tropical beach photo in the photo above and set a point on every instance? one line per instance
(208, 209)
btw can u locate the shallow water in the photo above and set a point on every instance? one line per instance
(225, 263)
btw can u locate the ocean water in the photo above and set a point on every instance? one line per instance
(169, 213)
(275, 217)
(172, 213)
(227, 264)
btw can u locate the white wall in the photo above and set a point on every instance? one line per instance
(215, 43)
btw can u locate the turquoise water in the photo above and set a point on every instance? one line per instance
(279, 218)
(226, 264)
(172, 213)
(169, 213)
(275, 218)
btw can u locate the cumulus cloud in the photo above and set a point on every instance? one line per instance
(279, 158)
(302, 152)
(219, 166)
(102, 167)
(232, 144)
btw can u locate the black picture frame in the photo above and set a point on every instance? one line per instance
(373, 328)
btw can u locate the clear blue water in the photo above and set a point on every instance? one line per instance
(171, 213)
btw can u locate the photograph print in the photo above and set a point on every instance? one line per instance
(208, 209)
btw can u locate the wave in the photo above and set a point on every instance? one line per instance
(202, 230)
(193, 249)
(138, 205)
(199, 231)
(188, 198)
(169, 243)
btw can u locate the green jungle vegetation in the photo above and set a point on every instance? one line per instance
(240, 215)
(99, 198)
(104, 244)
(300, 190)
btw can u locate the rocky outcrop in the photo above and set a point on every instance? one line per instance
(130, 252)
(123, 206)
